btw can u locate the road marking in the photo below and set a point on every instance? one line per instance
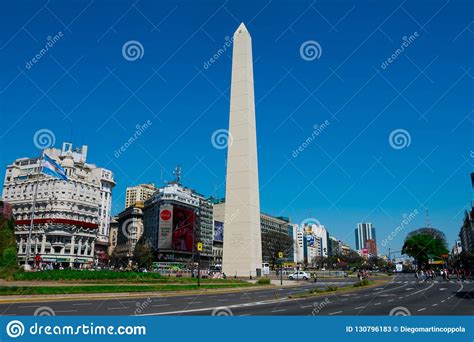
(442, 288)
(335, 313)
(280, 310)
(422, 309)
(222, 300)
(78, 304)
(391, 300)
(158, 305)
(378, 289)
(410, 288)
(434, 305)
(400, 297)
(377, 303)
(245, 315)
(195, 303)
(359, 307)
(65, 311)
(443, 300)
(122, 307)
(306, 306)
(28, 306)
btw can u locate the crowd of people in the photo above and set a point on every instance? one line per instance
(428, 275)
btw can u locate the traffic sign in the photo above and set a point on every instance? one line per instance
(280, 255)
(199, 246)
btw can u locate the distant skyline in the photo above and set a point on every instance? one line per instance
(364, 109)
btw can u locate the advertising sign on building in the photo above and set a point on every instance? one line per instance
(165, 226)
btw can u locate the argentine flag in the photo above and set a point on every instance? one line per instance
(51, 168)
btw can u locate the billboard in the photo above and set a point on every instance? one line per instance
(183, 225)
(218, 231)
(310, 240)
(165, 226)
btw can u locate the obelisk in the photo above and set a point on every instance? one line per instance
(242, 255)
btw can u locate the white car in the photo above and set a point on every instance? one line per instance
(299, 275)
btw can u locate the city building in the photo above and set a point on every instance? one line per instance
(457, 248)
(113, 231)
(129, 231)
(299, 246)
(139, 193)
(371, 248)
(466, 234)
(72, 218)
(176, 219)
(242, 240)
(268, 224)
(364, 232)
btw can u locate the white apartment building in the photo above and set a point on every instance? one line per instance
(139, 193)
(71, 218)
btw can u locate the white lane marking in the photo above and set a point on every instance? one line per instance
(443, 300)
(159, 305)
(335, 313)
(306, 306)
(377, 303)
(122, 307)
(279, 310)
(400, 297)
(422, 309)
(434, 305)
(245, 315)
(65, 311)
(195, 303)
(391, 300)
(442, 288)
(79, 304)
(28, 306)
(359, 307)
(410, 288)
(378, 289)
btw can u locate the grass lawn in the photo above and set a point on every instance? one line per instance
(107, 276)
(38, 290)
(331, 289)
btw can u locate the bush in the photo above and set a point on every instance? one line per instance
(331, 288)
(364, 282)
(263, 281)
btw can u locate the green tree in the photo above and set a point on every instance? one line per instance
(272, 243)
(424, 246)
(8, 252)
(143, 253)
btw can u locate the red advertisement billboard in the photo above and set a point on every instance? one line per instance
(183, 225)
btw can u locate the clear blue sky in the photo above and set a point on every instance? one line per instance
(86, 92)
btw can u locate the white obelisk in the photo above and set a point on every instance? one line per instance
(242, 254)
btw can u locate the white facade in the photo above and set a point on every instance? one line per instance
(70, 217)
(321, 233)
(299, 245)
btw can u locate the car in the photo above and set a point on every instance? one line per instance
(298, 275)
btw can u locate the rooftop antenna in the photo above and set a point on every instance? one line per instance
(428, 221)
(177, 173)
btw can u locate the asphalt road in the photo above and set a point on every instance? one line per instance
(402, 295)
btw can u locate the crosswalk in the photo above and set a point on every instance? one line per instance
(435, 282)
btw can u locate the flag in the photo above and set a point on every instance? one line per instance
(51, 168)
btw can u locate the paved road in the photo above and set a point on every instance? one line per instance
(403, 295)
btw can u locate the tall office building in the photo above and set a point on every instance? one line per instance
(139, 193)
(242, 239)
(364, 232)
(72, 219)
